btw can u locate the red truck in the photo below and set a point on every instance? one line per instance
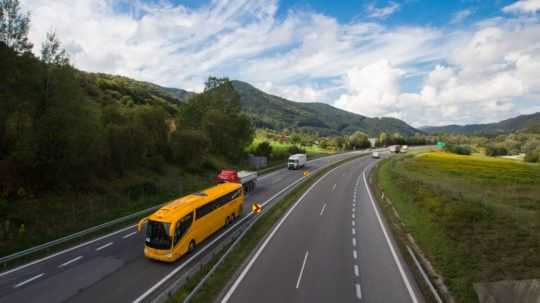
(248, 179)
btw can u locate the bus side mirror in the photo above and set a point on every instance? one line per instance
(141, 224)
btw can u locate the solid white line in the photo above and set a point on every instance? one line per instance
(356, 271)
(71, 261)
(67, 250)
(354, 231)
(392, 250)
(355, 254)
(353, 242)
(323, 208)
(104, 246)
(358, 291)
(267, 240)
(302, 270)
(129, 235)
(29, 280)
(334, 187)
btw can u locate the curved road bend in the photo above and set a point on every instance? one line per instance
(330, 248)
(113, 268)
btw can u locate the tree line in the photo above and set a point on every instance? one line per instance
(57, 133)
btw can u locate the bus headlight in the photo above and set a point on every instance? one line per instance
(169, 255)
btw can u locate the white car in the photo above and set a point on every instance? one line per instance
(375, 155)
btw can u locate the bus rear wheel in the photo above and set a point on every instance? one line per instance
(191, 247)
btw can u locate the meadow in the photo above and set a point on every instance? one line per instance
(476, 218)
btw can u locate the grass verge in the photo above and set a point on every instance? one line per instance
(477, 219)
(239, 254)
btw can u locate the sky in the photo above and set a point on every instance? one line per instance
(423, 61)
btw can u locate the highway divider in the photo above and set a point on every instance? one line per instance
(208, 284)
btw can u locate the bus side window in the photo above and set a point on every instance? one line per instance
(182, 226)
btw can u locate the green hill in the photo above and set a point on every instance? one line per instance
(269, 111)
(506, 126)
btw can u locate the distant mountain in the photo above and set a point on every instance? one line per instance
(269, 111)
(506, 126)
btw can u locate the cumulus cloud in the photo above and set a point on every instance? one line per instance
(523, 6)
(382, 12)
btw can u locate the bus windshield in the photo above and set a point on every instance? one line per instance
(157, 235)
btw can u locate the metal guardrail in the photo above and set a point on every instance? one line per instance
(82, 233)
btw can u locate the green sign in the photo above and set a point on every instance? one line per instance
(441, 144)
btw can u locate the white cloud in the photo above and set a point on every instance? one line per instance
(468, 75)
(461, 16)
(523, 6)
(382, 12)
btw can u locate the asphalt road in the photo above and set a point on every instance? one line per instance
(330, 247)
(113, 268)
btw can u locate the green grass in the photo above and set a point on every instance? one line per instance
(477, 218)
(238, 255)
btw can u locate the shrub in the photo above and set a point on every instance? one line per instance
(495, 151)
(533, 156)
(264, 149)
(458, 149)
(296, 150)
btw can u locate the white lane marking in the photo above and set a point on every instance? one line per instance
(323, 208)
(355, 254)
(353, 223)
(67, 250)
(129, 235)
(356, 271)
(71, 261)
(392, 250)
(354, 231)
(29, 280)
(353, 242)
(358, 291)
(353, 215)
(267, 240)
(104, 246)
(334, 187)
(302, 270)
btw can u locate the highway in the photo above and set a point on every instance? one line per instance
(332, 246)
(112, 268)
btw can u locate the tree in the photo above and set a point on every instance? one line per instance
(14, 26)
(52, 51)
(264, 149)
(214, 82)
(383, 139)
(359, 140)
(189, 147)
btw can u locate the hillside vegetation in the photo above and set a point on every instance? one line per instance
(503, 127)
(477, 218)
(268, 111)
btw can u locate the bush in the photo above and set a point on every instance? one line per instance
(533, 156)
(494, 151)
(458, 149)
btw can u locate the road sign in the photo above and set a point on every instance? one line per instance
(441, 144)
(306, 173)
(256, 208)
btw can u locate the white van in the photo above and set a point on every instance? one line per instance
(297, 161)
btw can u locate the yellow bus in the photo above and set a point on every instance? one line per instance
(176, 228)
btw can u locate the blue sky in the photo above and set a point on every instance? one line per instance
(426, 62)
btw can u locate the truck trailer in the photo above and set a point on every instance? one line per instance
(297, 161)
(248, 179)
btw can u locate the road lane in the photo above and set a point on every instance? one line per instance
(349, 258)
(128, 273)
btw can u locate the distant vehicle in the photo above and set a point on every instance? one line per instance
(375, 155)
(404, 149)
(176, 228)
(297, 161)
(394, 148)
(248, 179)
